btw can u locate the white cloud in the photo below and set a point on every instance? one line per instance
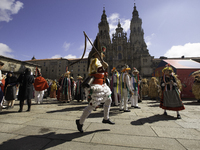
(113, 22)
(56, 56)
(66, 46)
(5, 50)
(67, 57)
(148, 39)
(89, 46)
(113, 17)
(8, 8)
(187, 50)
(126, 24)
(70, 56)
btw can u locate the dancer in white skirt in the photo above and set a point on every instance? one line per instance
(126, 88)
(99, 92)
(135, 86)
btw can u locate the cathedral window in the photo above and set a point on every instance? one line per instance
(119, 34)
(144, 60)
(119, 48)
(119, 56)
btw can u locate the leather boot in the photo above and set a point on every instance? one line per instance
(29, 104)
(21, 104)
(79, 126)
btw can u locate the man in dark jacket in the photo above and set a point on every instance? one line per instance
(26, 81)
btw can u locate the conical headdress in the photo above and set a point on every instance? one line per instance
(97, 45)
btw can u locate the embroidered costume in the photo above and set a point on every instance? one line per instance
(126, 88)
(170, 99)
(65, 90)
(196, 85)
(115, 87)
(98, 92)
(53, 90)
(59, 87)
(79, 90)
(154, 88)
(40, 84)
(135, 86)
(73, 87)
(144, 87)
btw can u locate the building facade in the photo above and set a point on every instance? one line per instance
(17, 66)
(121, 50)
(55, 68)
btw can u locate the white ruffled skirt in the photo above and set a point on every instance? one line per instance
(100, 93)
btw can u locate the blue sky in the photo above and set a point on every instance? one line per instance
(54, 28)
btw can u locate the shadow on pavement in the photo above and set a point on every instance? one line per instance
(4, 112)
(152, 119)
(68, 109)
(94, 114)
(191, 103)
(45, 141)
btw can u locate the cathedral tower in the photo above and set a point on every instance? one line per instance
(137, 32)
(104, 30)
(121, 51)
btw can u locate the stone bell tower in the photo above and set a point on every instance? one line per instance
(104, 30)
(137, 32)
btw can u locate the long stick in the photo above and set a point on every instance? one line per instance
(93, 46)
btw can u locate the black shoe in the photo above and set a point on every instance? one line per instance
(120, 109)
(79, 126)
(28, 110)
(126, 110)
(136, 107)
(107, 121)
(178, 116)
(20, 110)
(165, 113)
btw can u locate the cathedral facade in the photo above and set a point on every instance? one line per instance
(121, 50)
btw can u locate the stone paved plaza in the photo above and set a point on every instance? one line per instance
(51, 126)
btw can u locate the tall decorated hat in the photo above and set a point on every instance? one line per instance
(135, 70)
(97, 45)
(168, 67)
(37, 72)
(101, 49)
(126, 68)
(79, 77)
(113, 69)
(67, 72)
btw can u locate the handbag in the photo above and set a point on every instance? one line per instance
(172, 99)
(87, 82)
